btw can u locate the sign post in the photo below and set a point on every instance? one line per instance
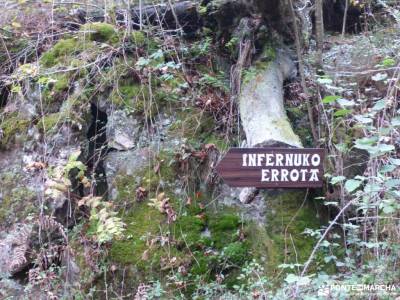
(272, 167)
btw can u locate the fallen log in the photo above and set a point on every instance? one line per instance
(179, 16)
(262, 112)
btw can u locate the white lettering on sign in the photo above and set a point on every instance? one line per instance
(288, 167)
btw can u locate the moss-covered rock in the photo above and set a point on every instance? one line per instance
(49, 123)
(17, 201)
(13, 128)
(58, 53)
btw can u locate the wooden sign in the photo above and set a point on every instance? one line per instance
(272, 167)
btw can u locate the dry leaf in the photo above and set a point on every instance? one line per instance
(145, 255)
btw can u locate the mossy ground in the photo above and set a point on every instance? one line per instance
(100, 32)
(282, 240)
(60, 51)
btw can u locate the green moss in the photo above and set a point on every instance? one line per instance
(194, 125)
(188, 229)
(139, 38)
(62, 83)
(63, 48)
(135, 97)
(282, 239)
(200, 266)
(236, 253)
(267, 56)
(223, 229)
(283, 126)
(298, 117)
(100, 32)
(166, 175)
(225, 222)
(12, 127)
(221, 143)
(49, 123)
(143, 223)
(17, 200)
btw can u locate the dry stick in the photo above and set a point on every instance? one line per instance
(301, 70)
(236, 77)
(323, 237)
(346, 8)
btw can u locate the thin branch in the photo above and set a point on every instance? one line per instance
(346, 8)
(306, 265)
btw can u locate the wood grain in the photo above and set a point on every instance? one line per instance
(234, 174)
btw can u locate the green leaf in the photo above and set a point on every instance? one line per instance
(387, 168)
(330, 99)
(16, 88)
(342, 112)
(395, 161)
(327, 259)
(324, 80)
(388, 209)
(379, 76)
(388, 62)
(337, 179)
(344, 102)
(391, 183)
(142, 62)
(365, 143)
(384, 148)
(379, 105)
(351, 185)
(396, 121)
(303, 280)
(342, 147)
(363, 119)
(372, 188)
(291, 278)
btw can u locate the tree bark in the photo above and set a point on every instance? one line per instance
(319, 30)
(262, 112)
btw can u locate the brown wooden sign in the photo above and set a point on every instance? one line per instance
(272, 167)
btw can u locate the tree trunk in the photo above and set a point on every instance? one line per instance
(262, 112)
(319, 30)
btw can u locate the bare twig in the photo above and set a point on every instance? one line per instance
(346, 8)
(307, 264)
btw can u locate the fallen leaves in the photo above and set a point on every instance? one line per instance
(141, 194)
(161, 202)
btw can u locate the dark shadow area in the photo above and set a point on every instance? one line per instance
(333, 16)
(97, 149)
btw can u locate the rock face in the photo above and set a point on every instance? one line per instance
(124, 163)
(122, 131)
(13, 249)
(263, 116)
